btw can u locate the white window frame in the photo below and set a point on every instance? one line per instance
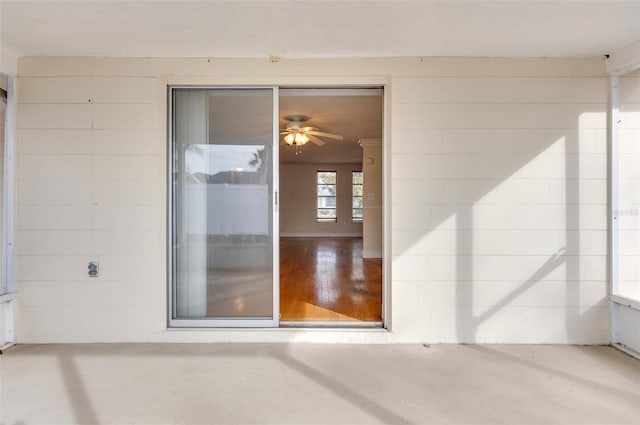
(353, 218)
(335, 197)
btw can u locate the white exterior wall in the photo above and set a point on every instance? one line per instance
(496, 195)
(90, 188)
(506, 240)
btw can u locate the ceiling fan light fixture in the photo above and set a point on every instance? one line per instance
(301, 138)
(297, 134)
(296, 139)
(289, 139)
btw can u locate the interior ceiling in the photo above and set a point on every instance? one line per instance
(352, 116)
(290, 28)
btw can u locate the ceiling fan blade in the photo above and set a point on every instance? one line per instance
(323, 134)
(315, 140)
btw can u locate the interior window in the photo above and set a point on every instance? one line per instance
(326, 193)
(357, 201)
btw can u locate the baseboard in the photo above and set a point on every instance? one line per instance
(371, 254)
(320, 235)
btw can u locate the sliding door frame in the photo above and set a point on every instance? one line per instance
(7, 282)
(231, 322)
(625, 312)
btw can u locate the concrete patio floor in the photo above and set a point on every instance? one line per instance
(317, 384)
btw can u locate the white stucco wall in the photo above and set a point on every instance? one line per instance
(496, 227)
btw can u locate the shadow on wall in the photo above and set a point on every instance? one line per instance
(503, 207)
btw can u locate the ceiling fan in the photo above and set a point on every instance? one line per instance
(297, 134)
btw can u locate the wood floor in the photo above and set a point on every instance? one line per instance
(326, 279)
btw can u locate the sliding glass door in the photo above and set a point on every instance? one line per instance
(625, 212)
(223, 207)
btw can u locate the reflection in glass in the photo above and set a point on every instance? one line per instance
(222, 219)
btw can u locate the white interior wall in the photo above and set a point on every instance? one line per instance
(298, 201)
(496, 197)
(372, 226)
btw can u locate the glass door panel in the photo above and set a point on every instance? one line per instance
(223, 207)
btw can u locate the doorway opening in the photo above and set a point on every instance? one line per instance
(331, 204)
